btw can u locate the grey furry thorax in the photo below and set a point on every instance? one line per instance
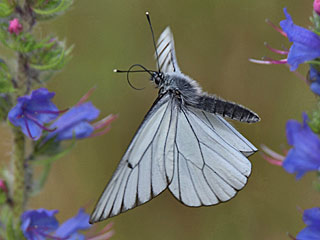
(177, 83)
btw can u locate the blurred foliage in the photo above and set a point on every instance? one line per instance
(5, 78)
(314, 121)
(45, 9)
(6, 8)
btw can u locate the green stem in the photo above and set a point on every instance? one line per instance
(18, 168)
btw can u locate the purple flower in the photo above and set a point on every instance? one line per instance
(38, 224)
(305, 47)
(33, 111)
(305, 154)
(69, 229)
(314, 76)
(77, 122)
(311, 218)
(306, 44)
(42, 224)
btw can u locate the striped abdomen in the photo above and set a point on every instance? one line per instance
(227, 109)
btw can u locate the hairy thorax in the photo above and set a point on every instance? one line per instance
(180, 85)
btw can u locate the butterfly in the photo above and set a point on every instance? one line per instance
(183, 144)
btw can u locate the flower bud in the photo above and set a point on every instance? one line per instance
(15, 26)
(316, 6)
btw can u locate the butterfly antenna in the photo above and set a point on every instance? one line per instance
(144, 69)
(154, 42)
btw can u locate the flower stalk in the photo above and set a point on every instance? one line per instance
(19, 166)
(19, 195)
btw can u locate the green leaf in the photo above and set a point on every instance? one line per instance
(5, 10)
(55, 61)
(315, 19)
(314, 120)
(10, 231)
(3, 197)
(49, 9)
(42, 180)
(46, 163)
(5, 78)
(50, 160)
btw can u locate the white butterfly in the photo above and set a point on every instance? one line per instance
(183, 144)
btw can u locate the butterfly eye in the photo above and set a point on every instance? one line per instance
(157, 80)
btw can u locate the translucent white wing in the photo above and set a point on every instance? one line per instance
(143, 170)
(228, 133)
(209, 166)
(166, 52)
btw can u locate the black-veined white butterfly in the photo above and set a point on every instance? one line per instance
(184, 144)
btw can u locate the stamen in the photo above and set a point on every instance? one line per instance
(271, 160)
(97, 134)
(272, 157)
(291, 237)
(276, 28)
(299, 75)
(104, 122)
(39, 124)
(28, 129)
(268, 62)
(52, 112)
(86, 96)
(276, 50)
(272, 153)
(49, 236)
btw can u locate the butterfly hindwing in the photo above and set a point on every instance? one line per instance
(208, 169)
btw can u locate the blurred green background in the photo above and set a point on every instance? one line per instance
(214, 40)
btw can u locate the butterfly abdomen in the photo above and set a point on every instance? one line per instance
(226, 109)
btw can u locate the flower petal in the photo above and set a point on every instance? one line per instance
(75, 120)
(311, 217)
(299, 34)
(300, 53)
(305, 154)
(315, 87)
(309, 233)
(306, 44)
(79, 131)
(73, 225)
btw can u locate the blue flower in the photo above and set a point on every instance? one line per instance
(69, 229)
(314, 76)
(305, 154)
(311, 218)
(42, 224)
(77, 122)
(306, 44)
(38, 224)
(33, 111)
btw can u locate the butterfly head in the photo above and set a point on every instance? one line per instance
(157, 78)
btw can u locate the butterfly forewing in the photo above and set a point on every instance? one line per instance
(166, 52)
(141, 173)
